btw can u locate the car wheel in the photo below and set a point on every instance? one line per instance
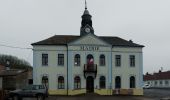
(40, 97)
(16, 97)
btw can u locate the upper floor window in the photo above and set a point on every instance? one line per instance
(118, 60)
(132, 60)
(77, 60)
(77, 84)
(102, 82)
(102, 60)
(44, 59)
(60, 82)
(61, 59)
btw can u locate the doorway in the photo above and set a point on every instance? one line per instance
(90, 84)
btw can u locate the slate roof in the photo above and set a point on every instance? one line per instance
(65, 39)
(157, 76)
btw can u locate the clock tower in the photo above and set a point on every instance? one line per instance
(86, 23)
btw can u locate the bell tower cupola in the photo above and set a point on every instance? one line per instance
(86, 23)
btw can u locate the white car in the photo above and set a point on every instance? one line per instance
(147, 86)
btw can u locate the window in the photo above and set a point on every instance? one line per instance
(155, 82)
(166, 82)
(117, 82)
(61, 59)
(118, 60)
(132, 60)
(77, 60)
(44, 59)
(160, 82)
(132, 82)
(148, 82)
(77, 84)
(60, 82)
(102, 82)
(102, 60)
(45, 80)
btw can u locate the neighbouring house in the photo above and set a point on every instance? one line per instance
(158, 80)
(14, 78)
(77, 64)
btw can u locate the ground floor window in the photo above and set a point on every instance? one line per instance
(117, 82)
(102, 82)
(132, 82)
(60, 82)
(77, 83)
(45, 81)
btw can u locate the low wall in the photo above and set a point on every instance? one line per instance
(64, 92)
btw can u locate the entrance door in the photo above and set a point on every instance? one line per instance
(90, 84)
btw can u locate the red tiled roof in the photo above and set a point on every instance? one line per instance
(157, 76)
(11, 72)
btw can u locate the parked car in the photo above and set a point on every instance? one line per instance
(147, 86)
(38, 91)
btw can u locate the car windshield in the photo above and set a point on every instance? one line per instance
(27, 87)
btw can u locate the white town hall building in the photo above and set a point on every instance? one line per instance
(72, 65)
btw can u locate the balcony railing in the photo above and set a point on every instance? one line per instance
(90, 67)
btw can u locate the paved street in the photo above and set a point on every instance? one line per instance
(149, 94)
(157, 93)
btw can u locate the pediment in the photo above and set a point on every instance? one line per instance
(89, 39)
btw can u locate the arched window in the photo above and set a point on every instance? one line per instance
(77, 84)
(132, 82)
(90, 59)
(77, 60)
(102, 60)
(102, 82)
(60, 82)
(117, 82)
(45, 80)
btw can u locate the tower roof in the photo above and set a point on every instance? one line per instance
(86, 12)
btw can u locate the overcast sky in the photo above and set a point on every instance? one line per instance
(146, 22)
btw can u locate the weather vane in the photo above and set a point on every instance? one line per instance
(85, 4)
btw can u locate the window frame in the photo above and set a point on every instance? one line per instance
(77, 60)
(61, 83)
(44, 59)
(118, 60)
(117, 86)
(102, 60)
(132, 83)
(132, 60)
(45, 81)
(102, 82)
(60, 59)
(77, 82)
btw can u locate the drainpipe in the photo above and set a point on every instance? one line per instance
(67, 69)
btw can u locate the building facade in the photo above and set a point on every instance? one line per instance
(72, 65)
(158, 80)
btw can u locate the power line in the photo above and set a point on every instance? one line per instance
(13, 47)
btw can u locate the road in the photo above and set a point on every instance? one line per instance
(157, 93)
(149, 94)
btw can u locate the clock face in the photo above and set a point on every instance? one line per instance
(87, 30)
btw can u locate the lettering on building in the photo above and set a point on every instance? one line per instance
(89, 48)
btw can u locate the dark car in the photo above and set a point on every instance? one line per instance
(38, 91)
